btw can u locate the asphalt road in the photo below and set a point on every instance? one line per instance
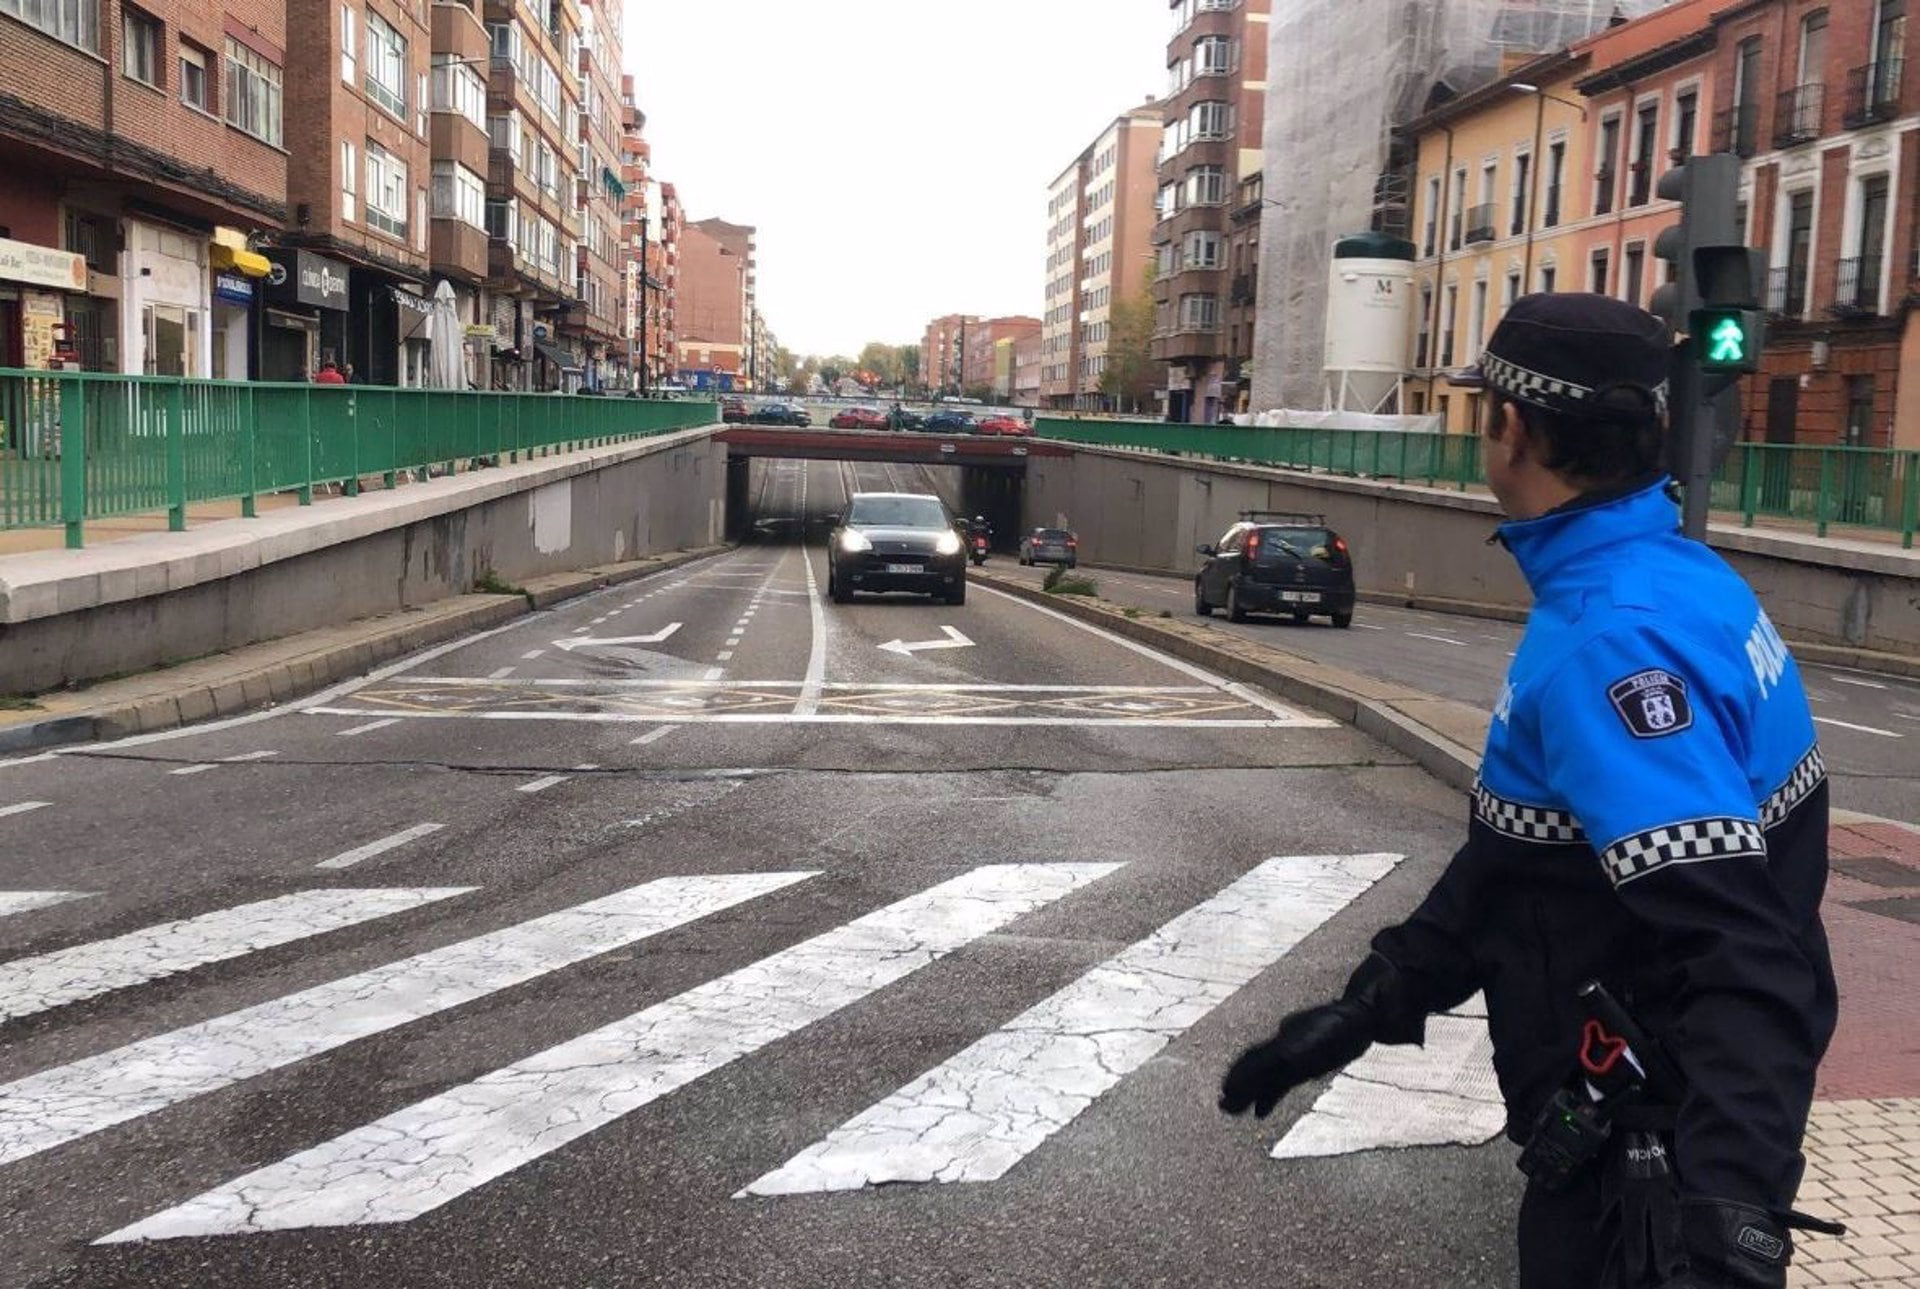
(700, 932)
(1869, 723)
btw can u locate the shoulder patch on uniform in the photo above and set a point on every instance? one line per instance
(1651, 702)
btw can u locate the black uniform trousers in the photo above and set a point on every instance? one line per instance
(1611, 1227)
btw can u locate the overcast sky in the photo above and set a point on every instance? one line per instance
(894, 154)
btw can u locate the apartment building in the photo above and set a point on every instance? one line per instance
(943, 349)
(988, 358)
(649, 234)
(1209, 154)
(714, 301)
(457, 198)
(1817, 99)
(592, 326)
(1100, 220)
(144, 153)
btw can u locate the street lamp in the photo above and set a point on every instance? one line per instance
(1540, 98)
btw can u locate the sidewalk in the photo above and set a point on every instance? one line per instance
(1863, 1140)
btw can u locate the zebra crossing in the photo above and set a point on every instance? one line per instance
(970, 1118)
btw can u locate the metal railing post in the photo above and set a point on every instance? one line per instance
(249, 503)
(1826, 490)
(1910, 507)
(176, 455)
(1749, 483)
(306, 439)
(73, 456)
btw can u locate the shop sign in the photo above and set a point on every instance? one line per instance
(42, 266)
(309, 279)
(414, 311)
(232, 287)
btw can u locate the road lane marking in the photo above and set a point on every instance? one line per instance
(658, 637)
(247, 756)
(906, 686)
(49, 980)
(1421, 635)
(725, 655)
(907, 648)
(1848, 680)
(858, 718)
(816, 673)
(1367, 626)
(430, 1153)
(713, 673)
(542, 783)
(12, 902)
(83, 1097)
(191, 769)
(21, 807)
(651, 736)
(500, 673)
(347, 859)
(976, 1115)
(1864, 729)
(733, 640)
(368, 728)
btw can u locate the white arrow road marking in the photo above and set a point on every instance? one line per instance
(1442, 1094)
(975, 1116)
(70, 1101)
(435, 1151)
(570, 643)
(906, 648)
(49, 980)
(12, 902)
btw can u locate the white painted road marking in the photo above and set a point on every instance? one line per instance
(725, 655)
(349, 858)
(713, 673)
(651, 736)
(500, 673)
(1863, 729)
(70, 1101)
(569, 644)
(906, 648)
(1848, 680)
(21, 807)
(1420, 635)
(191, 769)
(1283, 722)
(1367, 626)
(531, 654)
(816, 675)
(49, 980)
(248, 756)
(12, 902)
(975, 1116)
(430, 1153)
(1441, 1094)
(369, 727)
(542, 783)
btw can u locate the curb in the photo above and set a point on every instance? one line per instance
(240, 690)
(1360, 701)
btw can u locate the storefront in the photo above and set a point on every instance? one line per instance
(165, 302)
(236, 273)
(305, 317)
(416, 350)
(34, 282)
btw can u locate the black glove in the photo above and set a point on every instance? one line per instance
(1732, 1246)
(1310, 1043)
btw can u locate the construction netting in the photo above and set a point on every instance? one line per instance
(1342, 74)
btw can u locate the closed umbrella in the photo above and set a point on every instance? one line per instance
(445, 368)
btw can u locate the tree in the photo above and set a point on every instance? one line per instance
(1131, 375)
(909, 365)
(883, 361)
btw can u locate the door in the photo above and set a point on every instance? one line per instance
(1219, 570)
(1783, 415)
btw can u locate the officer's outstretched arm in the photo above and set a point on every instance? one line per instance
(1645, 756)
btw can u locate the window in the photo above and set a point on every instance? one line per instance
(1206, 186)
(458, 88)
(1522, 175)
(77, 22)
(1489, 181)
(1509, 291)
(1799, 253)
(1457, 210)
(386, 191)
(142, 41)
(253, 93)
(1597, 271)
(1646, 137)
(1202, 250)
(504, 133)
(1859, 431)
(1813, 47)
(1631, 267)
(1421, 334)
(1477, 324)
(1211, 120)
(196, 90)
(1686, 123)
(1547, 277)
(1433, 215)
(1199, 312)
(349, 178)
(506, 41)
(1863, 290)
(1450, 307)
(349, 45)
(1556, 171)
(501, 218)
(1607, 155)
(1213, 56)
(386, 68)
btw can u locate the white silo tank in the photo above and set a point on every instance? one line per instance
(1369, 309)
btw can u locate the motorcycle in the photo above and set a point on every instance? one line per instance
(977, 549)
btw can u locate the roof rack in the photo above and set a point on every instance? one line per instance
(1301, 517)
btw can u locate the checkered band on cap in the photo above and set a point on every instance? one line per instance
(1806, 776)
(1691, 842)
(1542, 824)
(1553, 392)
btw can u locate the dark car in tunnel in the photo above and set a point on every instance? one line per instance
(896, 541)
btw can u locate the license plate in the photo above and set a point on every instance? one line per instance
(1300, 597)
(906, 568)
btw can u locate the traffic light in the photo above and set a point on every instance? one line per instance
(1727, 340)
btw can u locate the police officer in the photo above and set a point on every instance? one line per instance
(1651, 814)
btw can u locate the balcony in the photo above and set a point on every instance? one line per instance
(1797, 113)
(1787, 291)
(1480, 223)
(458, 249)
(1639, 182)
(1856, 289)
(1873, 93)
(1243, 291)
(1737, 129)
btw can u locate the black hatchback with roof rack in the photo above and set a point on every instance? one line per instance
(1277, 561)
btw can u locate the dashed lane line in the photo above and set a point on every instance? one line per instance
(1863, 729)
(651, 736)
(347, 859)
(368, 728)
(21, 807)
(542, 783)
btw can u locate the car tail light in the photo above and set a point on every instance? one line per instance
(1073, 543)
(1253, 545)
(1340, 544)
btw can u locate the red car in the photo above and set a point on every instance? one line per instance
(1009, 425)
(859, 418)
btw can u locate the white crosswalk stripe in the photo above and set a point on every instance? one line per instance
(71, 1101)
(978, 1114)
(36, 984)
(12, 902)
(436, 1150)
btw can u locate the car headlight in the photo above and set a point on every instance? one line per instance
(853, 541)
(948, 543)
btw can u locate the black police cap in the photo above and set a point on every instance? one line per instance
(1569, 352)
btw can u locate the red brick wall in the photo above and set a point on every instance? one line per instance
(30, 209)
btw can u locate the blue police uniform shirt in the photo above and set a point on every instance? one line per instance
(1651, 812)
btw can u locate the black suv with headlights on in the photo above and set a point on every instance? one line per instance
(896, 541)
(1277, 562)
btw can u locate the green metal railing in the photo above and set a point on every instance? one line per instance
(1864, 487)
(76, 446)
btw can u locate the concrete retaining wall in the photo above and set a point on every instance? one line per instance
(69, 616)
(1146, 511)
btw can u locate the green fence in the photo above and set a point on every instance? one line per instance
(76, 446)
(1866, 487)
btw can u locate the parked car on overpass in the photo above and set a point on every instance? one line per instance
(733, 409)
(858, 418)
(949, 422)
(1001, 423)
(779, 414)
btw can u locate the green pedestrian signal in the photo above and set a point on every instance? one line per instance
(1727, 340)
